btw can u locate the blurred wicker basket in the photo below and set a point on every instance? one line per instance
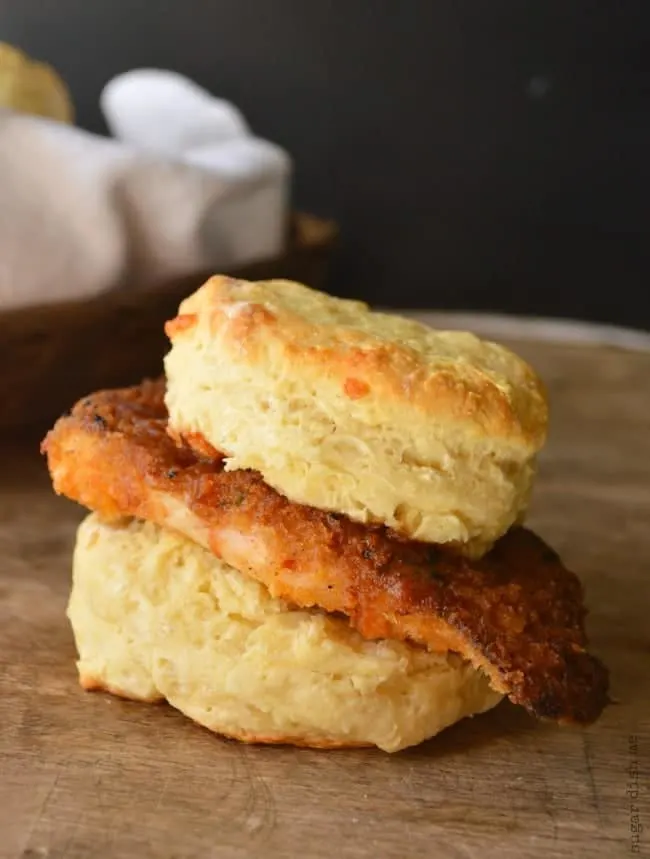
(52, 355)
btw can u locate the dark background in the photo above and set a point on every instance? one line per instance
(477, 153)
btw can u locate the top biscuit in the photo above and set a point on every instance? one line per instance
(380, 418)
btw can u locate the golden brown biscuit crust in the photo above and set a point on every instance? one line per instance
(517, 613)
(95, 684)
(92, 684)
(397, 359)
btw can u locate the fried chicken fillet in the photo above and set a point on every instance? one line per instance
(517, 613)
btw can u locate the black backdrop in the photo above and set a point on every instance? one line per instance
(477, 153)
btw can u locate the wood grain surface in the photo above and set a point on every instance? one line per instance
(87, 775)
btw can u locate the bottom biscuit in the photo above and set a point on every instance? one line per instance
(156, 617)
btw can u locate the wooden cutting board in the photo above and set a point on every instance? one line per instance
(86, 775)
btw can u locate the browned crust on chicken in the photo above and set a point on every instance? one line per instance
(517, 613)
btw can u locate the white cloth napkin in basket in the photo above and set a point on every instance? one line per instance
(182, 187)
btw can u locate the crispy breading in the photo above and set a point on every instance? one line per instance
(517, 613)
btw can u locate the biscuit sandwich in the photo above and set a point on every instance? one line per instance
(310, 531)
